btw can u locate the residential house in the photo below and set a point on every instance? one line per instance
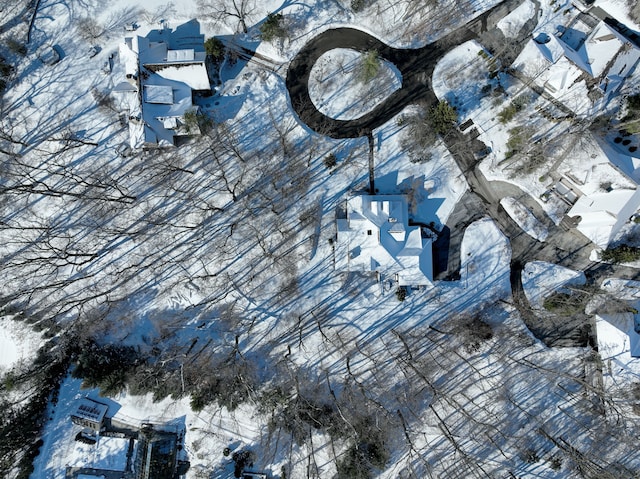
(588, 58)
(89, 414)
(600, 182)
(163, 69)
(376, 236)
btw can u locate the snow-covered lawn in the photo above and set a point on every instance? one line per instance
(540, 279)
(462, 77)
(524, 218)
(17, 343)
(512, 23)
(339, 89)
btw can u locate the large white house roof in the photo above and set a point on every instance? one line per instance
(608, 196)
(559, 64)
(376, 236)
(605, 51)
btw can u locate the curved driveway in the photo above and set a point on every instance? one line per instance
(565, 247)
(415, 65)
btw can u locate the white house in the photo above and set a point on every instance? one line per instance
(163, 69)
(559, 60)
(376, 236)
(618, 335)
(602, 183)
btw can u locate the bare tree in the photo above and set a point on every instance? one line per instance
(160, 12)
(220, 11)
(89, 28)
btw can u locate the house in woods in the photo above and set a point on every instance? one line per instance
(142, 451)
(89, 414)
(599, 182)
(588, 57)
(374, 235)
(164, 69)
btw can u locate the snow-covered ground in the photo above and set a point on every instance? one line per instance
(524, 218)
(17, 343)
(540, 279)
(223, 248)
(339, 89)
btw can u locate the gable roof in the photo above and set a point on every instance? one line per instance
(167, 65)
(609, 196)
(376, 236)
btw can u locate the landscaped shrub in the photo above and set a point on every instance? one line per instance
(330, 160)
(566, 304)
(242, 460)
(516, 106)
(631, 121)
(273, 27)
(443, 117)
(621, 254)
(516, 143)
(357, 5)
(401, 293)
(17, 47)
(214, 48)
(5, 68)
(196, 122)
(472, 332)
(370, 66)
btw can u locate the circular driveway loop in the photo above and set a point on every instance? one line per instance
(415, 65)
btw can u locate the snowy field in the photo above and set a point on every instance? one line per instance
(17, 342)
(215, 262)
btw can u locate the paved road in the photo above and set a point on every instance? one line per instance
(566, 247)
(415, 65)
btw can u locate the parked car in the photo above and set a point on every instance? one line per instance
(93, 51)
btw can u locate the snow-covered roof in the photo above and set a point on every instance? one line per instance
(557, 61)
(162, 94)
(376, 236)
(184, 55)
(547, 66)
(173, 66)
(608, 197)
(193, 75)
(90, 410)
(601, 47)
(600, 214)
(552, 50)
(109, 453)
(618, 336)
